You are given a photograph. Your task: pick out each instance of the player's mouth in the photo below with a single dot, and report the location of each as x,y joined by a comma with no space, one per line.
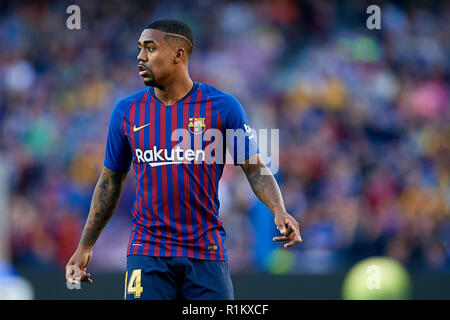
143,70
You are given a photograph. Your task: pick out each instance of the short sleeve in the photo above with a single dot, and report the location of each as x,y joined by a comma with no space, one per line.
118,153
241,141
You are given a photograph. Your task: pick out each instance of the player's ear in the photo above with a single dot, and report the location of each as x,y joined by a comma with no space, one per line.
179,55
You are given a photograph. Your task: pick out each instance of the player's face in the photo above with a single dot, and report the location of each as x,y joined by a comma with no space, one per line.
155,57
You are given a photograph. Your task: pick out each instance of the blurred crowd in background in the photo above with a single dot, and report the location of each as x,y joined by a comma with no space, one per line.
364,119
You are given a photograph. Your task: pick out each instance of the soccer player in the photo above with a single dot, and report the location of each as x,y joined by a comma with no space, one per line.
176,248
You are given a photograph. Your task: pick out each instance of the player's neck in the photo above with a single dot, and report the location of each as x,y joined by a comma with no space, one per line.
174,91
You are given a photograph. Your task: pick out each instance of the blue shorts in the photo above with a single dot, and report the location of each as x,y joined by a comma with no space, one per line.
177,278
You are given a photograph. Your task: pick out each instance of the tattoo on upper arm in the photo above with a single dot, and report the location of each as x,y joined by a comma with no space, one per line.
104,201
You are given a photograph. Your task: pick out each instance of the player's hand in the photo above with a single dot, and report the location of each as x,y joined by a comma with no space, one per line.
76,267
289,228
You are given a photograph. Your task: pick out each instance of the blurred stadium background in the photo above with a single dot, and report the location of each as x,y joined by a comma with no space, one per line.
364,119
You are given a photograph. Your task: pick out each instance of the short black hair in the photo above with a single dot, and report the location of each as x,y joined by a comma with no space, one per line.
175,27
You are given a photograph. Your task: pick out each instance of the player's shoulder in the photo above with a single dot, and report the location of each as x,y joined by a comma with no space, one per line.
123,106
128,101
218,96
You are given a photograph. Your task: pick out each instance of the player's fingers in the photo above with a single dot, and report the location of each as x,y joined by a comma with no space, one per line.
73,280
86,278
70,273
282,238
296,229
281,228
70,279
290,243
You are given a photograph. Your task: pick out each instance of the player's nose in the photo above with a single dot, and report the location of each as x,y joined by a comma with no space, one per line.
141,56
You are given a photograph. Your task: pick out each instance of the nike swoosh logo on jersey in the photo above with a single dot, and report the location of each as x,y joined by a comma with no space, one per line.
139,128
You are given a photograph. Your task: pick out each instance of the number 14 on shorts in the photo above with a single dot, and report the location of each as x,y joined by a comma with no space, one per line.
133,286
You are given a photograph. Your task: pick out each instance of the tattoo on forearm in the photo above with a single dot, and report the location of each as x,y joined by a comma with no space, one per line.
265,186
104,201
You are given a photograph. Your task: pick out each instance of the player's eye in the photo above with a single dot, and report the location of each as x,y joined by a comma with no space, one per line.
151,49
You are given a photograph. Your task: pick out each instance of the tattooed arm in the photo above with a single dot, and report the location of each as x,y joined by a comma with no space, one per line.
266,188
104,201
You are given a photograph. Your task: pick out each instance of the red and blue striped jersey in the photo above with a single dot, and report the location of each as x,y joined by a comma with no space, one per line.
176,210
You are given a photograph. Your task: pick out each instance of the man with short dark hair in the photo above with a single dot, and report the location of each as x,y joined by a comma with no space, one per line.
172,133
